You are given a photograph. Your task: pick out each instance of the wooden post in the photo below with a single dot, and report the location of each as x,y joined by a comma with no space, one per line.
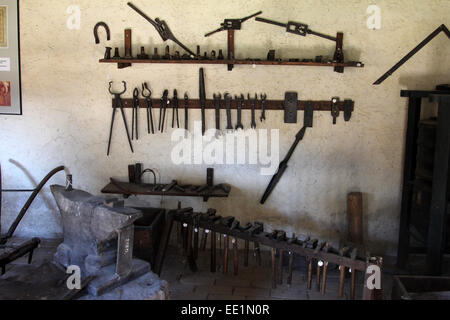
355,218
213,253
274,269
230,48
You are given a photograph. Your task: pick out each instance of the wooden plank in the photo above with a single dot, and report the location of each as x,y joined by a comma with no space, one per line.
438,212
277,105
350,64
414,111
135,189
355,218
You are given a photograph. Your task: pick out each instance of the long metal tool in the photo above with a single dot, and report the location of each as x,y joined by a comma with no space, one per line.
27,205
232,24
217,101
228,99
135,120
440,29
186,112
203,99
309,113
162,28
148,99
163,110
175,113
300,29
240,105
118,103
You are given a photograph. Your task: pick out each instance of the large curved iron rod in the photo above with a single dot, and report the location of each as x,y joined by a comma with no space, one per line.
27,205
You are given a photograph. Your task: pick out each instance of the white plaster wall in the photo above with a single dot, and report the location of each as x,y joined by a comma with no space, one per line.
67,107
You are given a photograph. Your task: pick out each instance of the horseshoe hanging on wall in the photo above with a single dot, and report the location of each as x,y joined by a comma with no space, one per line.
108,33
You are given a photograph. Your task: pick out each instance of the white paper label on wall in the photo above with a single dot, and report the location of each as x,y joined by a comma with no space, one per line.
5,64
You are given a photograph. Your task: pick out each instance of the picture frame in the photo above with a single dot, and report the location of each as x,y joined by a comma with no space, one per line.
10,63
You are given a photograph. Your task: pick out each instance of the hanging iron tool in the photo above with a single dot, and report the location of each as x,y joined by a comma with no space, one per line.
240,105
263,107
135,120
162,110
148,100
217,101
253,103
308,123
175,110
300,29
163,29
228,106
118,103
232,24
203,99
186,112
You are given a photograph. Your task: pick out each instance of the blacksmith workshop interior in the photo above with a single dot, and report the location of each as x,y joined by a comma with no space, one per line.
224,150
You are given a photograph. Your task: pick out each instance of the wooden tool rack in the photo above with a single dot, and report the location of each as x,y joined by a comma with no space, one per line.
440,201
128,61
212,224
130,189
346,106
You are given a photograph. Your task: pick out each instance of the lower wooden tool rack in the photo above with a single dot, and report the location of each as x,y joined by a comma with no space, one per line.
310,249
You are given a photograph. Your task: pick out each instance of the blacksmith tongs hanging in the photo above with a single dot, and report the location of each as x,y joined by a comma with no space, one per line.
118,103
162,28
148,100
135,120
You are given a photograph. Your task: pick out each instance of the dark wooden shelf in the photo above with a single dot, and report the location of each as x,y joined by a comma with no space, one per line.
129,189
128,62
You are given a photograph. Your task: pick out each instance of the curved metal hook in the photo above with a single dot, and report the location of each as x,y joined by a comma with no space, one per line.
108,32
114,93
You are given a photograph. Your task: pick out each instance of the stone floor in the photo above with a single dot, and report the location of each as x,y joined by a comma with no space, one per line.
252,283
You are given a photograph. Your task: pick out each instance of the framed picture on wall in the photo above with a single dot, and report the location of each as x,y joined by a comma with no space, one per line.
10,77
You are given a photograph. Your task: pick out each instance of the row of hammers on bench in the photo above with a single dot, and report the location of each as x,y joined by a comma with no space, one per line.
320,254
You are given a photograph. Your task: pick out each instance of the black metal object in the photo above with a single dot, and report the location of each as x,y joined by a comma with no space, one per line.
240,103
162,28
203,99
263,107
290,107
232,24
147,94
135,116
253,104
435,33
308,123
228,99
35,192
437,211
217,101
186,112
175,112
108,32
118,104
297,28
163,110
